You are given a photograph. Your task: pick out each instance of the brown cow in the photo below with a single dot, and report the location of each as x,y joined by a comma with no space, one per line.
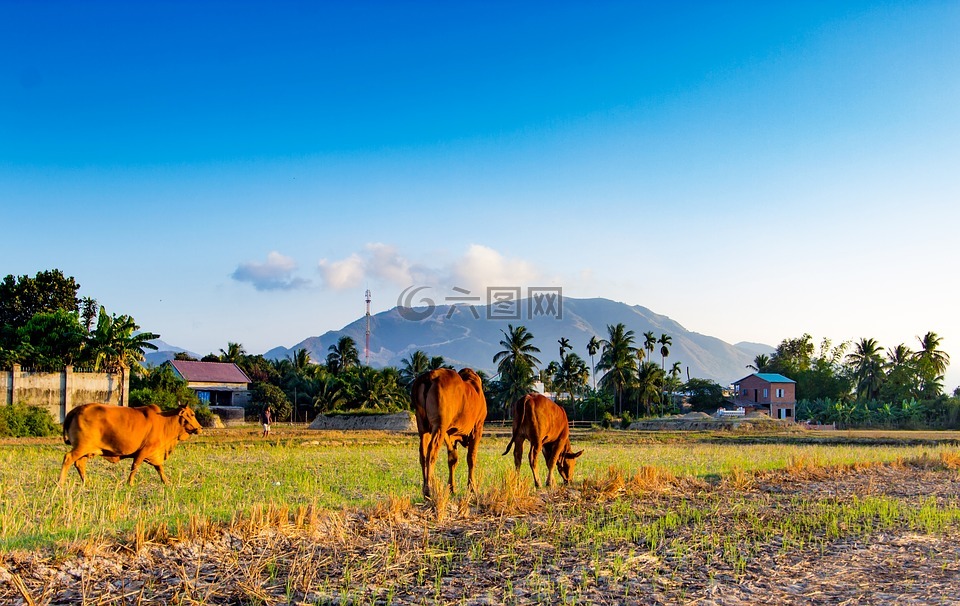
538,419
143,433
450,407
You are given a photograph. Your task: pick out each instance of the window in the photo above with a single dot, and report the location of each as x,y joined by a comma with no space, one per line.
779,393
766,392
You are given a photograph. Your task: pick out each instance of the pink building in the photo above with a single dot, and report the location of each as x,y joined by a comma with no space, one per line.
771,392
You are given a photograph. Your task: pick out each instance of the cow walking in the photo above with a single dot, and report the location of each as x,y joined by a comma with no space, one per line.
450,408
144,433
541,421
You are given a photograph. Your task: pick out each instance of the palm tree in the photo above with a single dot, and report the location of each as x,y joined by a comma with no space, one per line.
116,345
413,366
234,353
675,370
571,375
516,362
867,366
328,394
617,358
649,386
593,346
564,345
343,355
760,363
665,341
932,364
649,343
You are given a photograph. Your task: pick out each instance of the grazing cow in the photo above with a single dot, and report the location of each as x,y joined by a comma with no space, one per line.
538,419
450,407
143,433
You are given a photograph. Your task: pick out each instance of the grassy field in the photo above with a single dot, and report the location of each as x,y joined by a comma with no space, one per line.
225,474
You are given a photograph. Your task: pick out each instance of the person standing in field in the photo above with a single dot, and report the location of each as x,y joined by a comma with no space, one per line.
265,419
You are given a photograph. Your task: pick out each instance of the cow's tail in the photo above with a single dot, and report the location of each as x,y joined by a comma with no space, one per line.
67,421
518,408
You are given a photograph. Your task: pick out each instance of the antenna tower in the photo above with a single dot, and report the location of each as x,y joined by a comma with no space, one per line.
366,347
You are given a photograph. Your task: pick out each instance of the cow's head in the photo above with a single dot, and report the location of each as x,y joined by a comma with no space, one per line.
188,420
566,463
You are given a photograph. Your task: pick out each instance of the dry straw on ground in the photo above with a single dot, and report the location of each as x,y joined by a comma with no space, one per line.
861,534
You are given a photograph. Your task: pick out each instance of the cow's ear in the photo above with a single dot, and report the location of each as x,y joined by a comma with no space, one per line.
573,455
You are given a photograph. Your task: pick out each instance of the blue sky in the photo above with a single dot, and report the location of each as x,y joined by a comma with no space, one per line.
243,171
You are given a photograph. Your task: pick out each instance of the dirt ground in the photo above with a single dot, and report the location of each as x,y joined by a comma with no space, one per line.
522,548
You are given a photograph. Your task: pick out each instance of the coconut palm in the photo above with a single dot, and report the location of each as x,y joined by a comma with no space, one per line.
649,343
328,394
343,355
564,345
665,341
760,363
593,346
413,366
516,362
618,360
648,388
234,353
867,364
676,370
571,375
932,362
116,345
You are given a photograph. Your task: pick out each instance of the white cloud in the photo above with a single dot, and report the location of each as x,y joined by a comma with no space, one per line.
343,274
276,273
482,266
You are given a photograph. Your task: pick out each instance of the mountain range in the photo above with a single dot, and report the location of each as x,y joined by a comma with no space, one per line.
470,335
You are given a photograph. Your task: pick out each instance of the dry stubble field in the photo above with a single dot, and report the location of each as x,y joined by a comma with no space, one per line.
335,518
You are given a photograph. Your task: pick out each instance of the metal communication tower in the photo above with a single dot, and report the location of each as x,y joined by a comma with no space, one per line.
366,347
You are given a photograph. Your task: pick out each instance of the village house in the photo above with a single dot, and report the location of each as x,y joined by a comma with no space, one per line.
216,383
770,392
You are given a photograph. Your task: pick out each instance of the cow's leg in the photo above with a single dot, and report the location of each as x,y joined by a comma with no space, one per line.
518,452
137,460
159,468
433,450
68,459
534,454
81,465
452,459
473,448
424,449
550,454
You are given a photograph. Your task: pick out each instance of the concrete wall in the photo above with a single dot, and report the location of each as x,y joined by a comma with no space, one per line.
61,391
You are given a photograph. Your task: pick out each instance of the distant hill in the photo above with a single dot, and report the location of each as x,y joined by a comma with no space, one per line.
464,340
164,353
755,349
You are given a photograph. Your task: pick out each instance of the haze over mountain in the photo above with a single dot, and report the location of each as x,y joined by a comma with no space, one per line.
465,338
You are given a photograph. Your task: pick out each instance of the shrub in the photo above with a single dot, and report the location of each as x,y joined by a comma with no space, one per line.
23,420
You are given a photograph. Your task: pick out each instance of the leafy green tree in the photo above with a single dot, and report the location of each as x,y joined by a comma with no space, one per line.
618,360
89,309
51,340
703,395
164,388
866,361
516,363
23,297
265,394
793,356
343,355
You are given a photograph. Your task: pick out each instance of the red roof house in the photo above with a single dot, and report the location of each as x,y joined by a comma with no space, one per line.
216,383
